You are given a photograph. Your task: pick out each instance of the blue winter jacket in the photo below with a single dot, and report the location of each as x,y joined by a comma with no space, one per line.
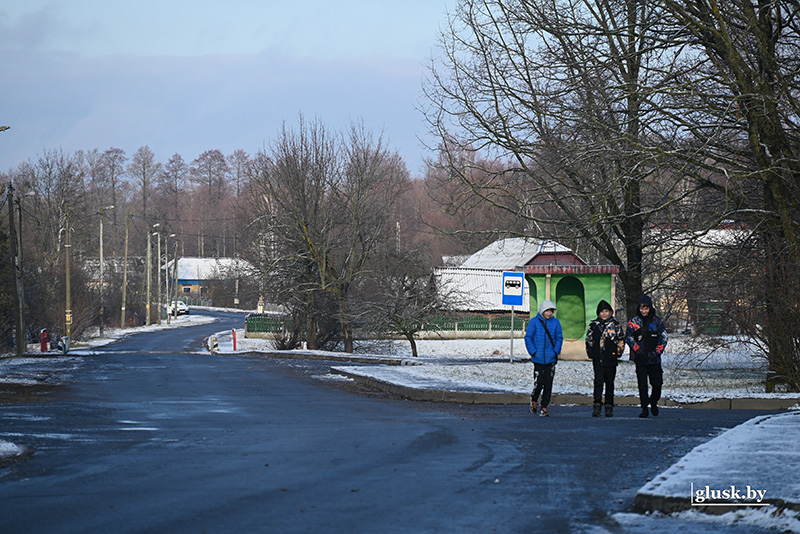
538,344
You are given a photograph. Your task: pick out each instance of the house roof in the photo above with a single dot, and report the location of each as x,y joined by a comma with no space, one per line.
190,268
508,254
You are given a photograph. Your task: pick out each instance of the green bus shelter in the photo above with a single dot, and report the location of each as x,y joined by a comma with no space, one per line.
576,290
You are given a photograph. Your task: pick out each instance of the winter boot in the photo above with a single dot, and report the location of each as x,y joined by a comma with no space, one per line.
544,412
534,406
654,409
644,413
609,411
596,409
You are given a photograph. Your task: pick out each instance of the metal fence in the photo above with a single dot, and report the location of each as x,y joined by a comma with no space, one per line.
261,323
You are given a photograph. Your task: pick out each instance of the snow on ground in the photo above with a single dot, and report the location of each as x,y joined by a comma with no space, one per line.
10,450
693,372
775,438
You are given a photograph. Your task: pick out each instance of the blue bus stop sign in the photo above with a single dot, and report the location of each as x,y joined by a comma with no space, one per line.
513,287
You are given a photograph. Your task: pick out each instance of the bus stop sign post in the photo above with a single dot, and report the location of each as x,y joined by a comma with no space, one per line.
513,288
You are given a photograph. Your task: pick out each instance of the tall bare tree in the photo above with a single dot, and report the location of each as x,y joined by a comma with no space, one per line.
326,200
208,172
143,169
172,193
112,174
736,102
560,92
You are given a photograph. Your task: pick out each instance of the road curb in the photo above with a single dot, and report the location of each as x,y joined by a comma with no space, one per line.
338,357
647,503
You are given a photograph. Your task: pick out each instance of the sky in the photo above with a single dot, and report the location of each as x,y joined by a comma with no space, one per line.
186,76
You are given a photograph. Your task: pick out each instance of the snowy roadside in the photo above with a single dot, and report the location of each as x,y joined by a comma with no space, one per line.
748,475
691,374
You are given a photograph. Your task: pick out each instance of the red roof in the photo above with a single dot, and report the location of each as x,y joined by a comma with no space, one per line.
570,269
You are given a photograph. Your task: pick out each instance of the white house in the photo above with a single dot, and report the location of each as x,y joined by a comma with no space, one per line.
195,273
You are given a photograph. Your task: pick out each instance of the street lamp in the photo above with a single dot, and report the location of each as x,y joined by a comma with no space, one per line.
102,266
147,270
166,273
19,332
68,309
158,284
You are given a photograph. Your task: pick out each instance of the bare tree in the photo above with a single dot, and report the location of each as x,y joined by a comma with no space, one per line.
208,171
736,101
560,93
239,164
171,192
143,169
399,297
111,174
326,203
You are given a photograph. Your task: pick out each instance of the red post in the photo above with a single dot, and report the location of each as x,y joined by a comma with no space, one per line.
43,340
234,340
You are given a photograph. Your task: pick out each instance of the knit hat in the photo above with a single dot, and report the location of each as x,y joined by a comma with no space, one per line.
604,305
648,301
546,305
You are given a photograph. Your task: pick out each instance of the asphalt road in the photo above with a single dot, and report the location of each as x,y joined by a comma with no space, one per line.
152,434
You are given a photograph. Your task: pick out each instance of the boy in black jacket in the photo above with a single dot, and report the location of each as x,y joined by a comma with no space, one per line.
605,342
647,337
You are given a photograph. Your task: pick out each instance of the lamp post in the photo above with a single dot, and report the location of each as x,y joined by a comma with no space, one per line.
147,270
68,309
166,273
125,272
158,277
20,271
102,266
175,281
21,342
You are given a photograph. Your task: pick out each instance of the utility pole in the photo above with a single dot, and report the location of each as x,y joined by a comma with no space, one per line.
158,277
21,272
19,331
102,266
125,270
166,271
68,311
175,282
147,274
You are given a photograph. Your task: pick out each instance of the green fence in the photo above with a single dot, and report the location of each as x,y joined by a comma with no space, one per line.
475,323
263,323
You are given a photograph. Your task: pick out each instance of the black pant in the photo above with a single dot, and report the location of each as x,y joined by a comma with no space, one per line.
653,372
543,380
604,375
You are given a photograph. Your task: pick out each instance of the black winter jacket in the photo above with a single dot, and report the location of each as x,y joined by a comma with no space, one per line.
605,341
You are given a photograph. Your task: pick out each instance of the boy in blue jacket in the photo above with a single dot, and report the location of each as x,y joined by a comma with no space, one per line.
543,339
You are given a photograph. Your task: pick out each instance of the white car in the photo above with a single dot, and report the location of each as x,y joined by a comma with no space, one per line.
181,308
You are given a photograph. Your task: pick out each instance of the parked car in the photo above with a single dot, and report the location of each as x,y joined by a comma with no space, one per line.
181,308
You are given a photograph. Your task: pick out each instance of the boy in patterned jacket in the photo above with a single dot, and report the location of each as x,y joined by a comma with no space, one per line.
647,338
605,342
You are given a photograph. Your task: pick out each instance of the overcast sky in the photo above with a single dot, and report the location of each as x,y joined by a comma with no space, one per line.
187,76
